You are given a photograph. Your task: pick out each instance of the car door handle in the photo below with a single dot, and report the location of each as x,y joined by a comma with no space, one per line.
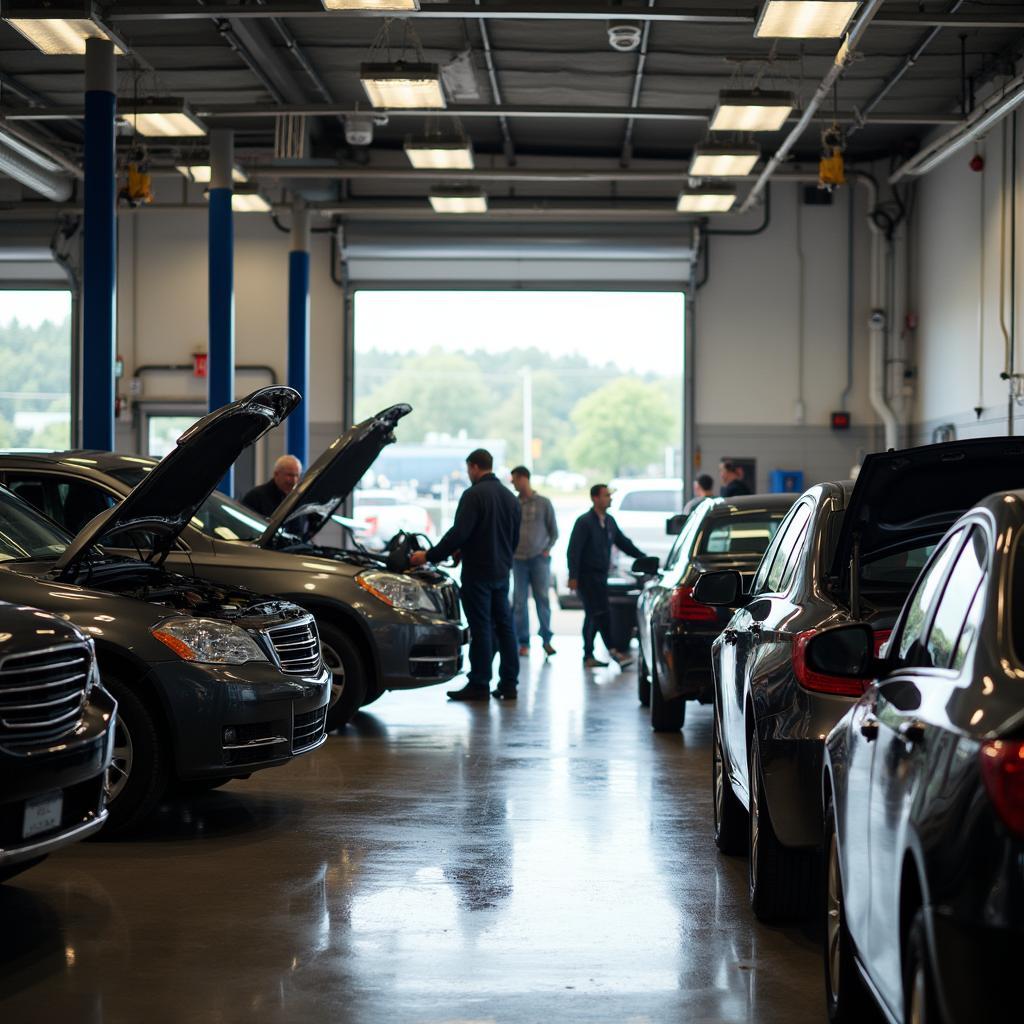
869,727
912,730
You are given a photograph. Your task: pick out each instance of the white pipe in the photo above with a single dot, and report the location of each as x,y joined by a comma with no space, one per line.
50,184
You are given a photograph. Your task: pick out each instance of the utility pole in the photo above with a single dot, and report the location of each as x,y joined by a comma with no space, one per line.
527,417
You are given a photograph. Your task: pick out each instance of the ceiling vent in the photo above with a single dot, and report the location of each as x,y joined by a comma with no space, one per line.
624,36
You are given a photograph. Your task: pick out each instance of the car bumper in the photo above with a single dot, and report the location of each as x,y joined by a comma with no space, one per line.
419,653
75,768
235,719
687,660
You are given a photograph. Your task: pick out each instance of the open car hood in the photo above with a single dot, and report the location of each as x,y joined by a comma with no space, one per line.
166,499
903,498
331,479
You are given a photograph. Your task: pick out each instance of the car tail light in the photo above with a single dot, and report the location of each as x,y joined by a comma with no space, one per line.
820,682
683,608
1002,769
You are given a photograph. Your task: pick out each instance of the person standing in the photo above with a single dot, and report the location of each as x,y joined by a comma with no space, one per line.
265,498
531,568
731,477
486,534
590,554
703,487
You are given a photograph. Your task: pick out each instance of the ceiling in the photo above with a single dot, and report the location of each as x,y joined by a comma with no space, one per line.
536,91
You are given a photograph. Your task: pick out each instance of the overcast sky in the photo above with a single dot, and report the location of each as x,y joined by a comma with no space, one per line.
34,307
639,331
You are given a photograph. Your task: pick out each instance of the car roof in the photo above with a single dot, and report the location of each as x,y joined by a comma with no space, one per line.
751,503
104,462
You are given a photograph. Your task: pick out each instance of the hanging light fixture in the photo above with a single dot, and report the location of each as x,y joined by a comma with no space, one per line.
371,5
60,30
402,86
165,118
751,110
718,160
706,199
202,174
804,19
439,154
458,200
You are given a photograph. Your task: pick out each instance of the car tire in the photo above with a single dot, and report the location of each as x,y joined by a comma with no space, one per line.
730,815
342,657
643,684
780,878
666,715
921,1003
140,771
847,1000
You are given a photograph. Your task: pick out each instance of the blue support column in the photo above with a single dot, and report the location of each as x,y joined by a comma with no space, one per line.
221,254
298,332
99,279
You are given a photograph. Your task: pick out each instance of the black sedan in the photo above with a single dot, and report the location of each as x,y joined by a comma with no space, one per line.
923,789
676,632
56,737
212,682
845,553
380,629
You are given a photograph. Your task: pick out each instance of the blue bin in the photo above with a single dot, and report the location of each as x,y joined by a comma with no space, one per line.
786,481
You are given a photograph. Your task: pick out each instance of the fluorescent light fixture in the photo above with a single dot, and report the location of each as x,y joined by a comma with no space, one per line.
56,35
439,155
718,199
458,201
402,86
713,160
371,5
202,174
249,202
751,111
804,19
168,119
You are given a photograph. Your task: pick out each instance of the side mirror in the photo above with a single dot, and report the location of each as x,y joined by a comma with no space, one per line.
847,652
721,589
674,525
646,566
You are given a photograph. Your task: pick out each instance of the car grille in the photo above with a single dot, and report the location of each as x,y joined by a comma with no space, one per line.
42,695
447,595
309,728
297,647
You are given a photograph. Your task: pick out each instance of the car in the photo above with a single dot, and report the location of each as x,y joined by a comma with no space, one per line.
381,514
923,789
56,737
379,629
846,552
675,631
212,682
641,508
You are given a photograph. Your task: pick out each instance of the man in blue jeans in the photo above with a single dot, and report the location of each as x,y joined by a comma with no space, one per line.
485,533
531,569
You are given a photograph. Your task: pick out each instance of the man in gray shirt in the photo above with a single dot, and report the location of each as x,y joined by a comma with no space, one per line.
531,567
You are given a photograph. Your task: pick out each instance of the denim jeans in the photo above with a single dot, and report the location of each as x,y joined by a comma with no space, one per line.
489,615
593,591
532,574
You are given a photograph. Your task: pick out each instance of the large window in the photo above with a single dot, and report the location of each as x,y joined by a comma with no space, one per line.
35,369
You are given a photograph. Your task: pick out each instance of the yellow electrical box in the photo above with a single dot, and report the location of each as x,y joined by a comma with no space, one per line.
832,169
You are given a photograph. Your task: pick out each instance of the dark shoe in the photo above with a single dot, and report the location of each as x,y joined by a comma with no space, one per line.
548,649
621,659
592,662
469,693
504,694
524,650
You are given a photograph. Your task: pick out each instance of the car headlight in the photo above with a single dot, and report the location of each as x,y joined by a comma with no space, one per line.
208,641
397,591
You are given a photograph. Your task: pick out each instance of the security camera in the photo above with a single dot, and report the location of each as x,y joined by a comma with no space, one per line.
359,130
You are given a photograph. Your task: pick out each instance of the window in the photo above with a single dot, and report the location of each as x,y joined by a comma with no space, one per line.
791,538
740,535
924,594
24,534
900,570
969,631
651,501
951,613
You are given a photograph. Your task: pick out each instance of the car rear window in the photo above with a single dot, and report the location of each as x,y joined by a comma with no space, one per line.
651,501
741,534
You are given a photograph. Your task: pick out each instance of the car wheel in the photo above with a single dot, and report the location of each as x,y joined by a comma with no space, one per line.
666,715
780,878
846,996
139,771
643,683
730,816
348,677
921,1004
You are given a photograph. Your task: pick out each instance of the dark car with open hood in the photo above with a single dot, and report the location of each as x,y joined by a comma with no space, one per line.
381,628
212,681
846,552
923,789
56,737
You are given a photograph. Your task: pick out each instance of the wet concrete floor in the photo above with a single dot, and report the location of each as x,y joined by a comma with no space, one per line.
438,864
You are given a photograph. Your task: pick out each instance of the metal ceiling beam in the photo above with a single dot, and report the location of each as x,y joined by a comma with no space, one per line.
492,74
638,84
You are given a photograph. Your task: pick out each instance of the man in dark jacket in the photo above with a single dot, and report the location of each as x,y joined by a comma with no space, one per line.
485,532
265,498
731,475
590,554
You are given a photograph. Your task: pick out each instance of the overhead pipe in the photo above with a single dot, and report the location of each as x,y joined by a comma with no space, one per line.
842,60
50,184
492,75
638,82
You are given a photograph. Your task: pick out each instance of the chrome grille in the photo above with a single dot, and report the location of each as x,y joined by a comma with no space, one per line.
42,695
447,595
297,646
309,728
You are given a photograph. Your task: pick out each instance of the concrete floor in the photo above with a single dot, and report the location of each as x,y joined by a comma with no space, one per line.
439,864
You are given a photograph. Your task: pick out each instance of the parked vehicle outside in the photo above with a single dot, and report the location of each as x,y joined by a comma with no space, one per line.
381,514
380,630
56,737
846,552
212,682
676,631
923,788
642,506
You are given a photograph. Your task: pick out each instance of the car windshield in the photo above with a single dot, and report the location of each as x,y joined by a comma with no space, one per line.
219,516
741,534
24,533
901,569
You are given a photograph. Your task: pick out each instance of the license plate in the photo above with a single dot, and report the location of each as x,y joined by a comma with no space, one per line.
42,813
